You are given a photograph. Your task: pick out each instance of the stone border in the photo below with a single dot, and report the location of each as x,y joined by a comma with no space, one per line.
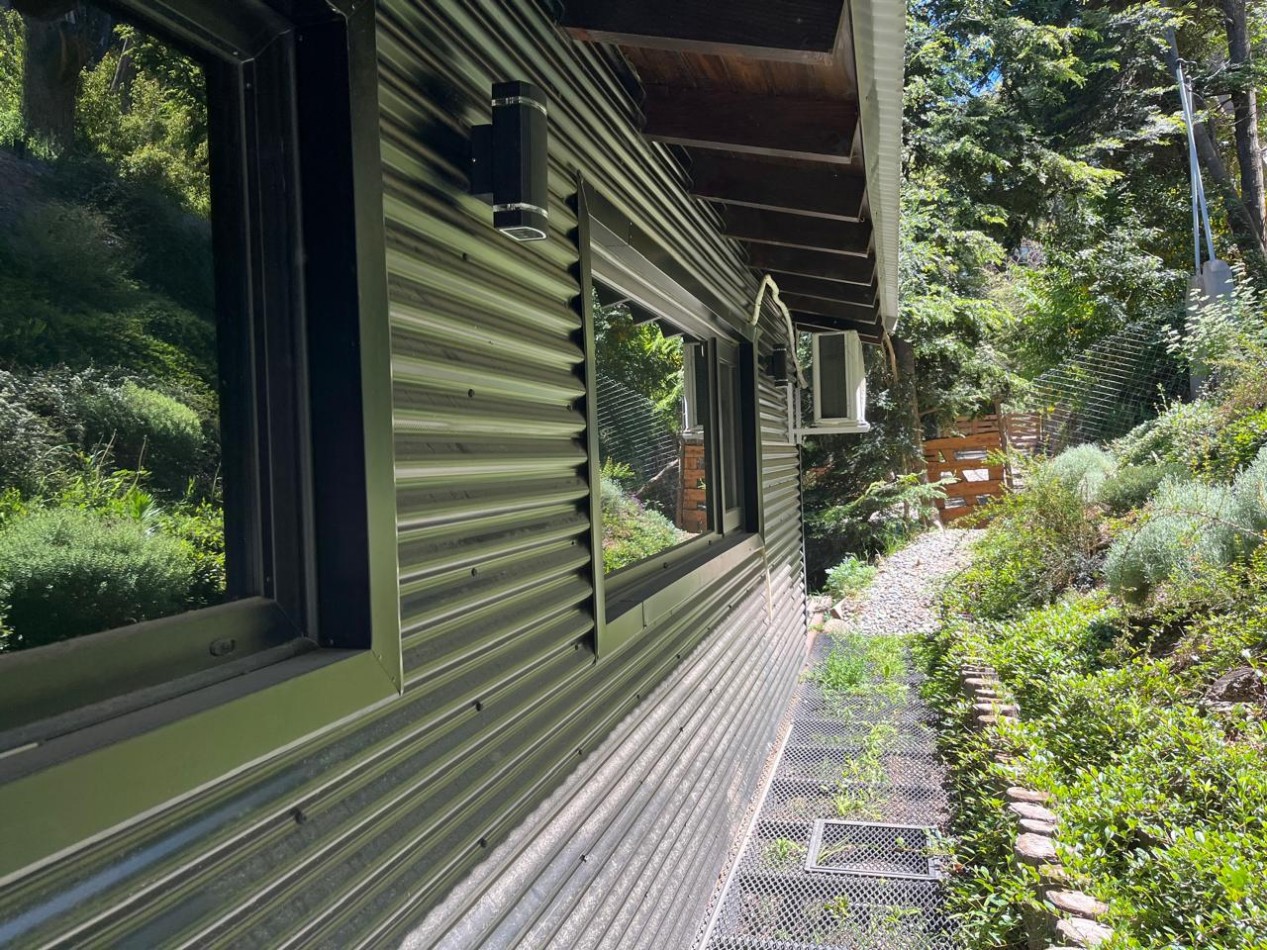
1069,919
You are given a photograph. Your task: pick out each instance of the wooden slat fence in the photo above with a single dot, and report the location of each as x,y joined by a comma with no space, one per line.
966,457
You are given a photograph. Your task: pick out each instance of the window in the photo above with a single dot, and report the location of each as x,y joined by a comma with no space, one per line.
733,436
111,470
166,351
652,435
672,426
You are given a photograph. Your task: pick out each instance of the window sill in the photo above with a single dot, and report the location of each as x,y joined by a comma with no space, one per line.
635,607
71,788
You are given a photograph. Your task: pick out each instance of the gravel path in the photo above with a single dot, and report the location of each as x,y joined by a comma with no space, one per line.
900,599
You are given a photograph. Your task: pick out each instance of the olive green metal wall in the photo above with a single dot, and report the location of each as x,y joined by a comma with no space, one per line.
352,837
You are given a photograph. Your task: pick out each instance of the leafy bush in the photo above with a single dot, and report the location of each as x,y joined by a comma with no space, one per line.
850,576
1130,486
1189,526
1169,437
1083,469
1251,495
146,428
1160,804
1039,542
71,251
632,532
29,445
12,41
879,521
1232,445
66,572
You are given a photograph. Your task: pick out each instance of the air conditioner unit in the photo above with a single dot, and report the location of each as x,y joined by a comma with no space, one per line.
840,383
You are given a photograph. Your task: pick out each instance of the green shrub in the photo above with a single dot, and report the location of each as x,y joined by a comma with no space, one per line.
850,576
632,532
1168,824
1188,526
145,428
1169,437
30,447
12,41
201,530
1251,494
1130,486
1232,445
1039,542
65,572
72,252
1082,469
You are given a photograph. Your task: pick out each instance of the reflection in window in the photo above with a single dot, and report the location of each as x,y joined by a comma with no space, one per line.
652,421
110,494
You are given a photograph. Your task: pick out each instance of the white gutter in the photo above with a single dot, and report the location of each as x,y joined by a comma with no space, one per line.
879,38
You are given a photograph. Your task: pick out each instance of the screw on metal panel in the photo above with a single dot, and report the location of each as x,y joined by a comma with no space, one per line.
223,646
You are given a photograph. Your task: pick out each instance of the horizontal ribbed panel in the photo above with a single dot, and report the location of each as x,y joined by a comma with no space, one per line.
354,837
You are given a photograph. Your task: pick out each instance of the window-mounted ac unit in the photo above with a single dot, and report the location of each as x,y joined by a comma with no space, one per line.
839,383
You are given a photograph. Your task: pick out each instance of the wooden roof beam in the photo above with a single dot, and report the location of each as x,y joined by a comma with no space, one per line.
862,312
796,230
820,289
777,126
804,31
872,333
822,190
792,260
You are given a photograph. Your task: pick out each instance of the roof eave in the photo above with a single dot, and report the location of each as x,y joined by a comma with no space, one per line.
879,34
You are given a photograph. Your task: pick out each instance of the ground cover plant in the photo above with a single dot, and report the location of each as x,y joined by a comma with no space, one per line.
851,576
1130,626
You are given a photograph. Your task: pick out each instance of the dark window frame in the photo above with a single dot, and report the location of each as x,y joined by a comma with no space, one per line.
304,350
628,600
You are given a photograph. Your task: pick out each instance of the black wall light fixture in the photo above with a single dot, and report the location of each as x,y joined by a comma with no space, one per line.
778,365
509,161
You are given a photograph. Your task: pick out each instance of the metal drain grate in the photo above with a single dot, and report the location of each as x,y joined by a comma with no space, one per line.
907,852
846,848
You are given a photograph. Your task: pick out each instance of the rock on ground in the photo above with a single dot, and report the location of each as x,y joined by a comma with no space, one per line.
901,597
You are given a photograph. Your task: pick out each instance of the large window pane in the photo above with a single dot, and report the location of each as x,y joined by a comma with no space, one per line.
110,486
653,421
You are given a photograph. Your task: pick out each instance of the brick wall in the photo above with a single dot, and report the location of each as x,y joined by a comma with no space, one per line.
692,508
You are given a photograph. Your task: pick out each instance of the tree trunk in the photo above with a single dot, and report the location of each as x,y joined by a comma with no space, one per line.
1245,107
904,356
1247,236
56,53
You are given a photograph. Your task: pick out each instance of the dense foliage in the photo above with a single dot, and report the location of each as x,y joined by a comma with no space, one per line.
1045,207
1130,626
110,496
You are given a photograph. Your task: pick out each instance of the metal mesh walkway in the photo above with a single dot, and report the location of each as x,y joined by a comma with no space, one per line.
848,848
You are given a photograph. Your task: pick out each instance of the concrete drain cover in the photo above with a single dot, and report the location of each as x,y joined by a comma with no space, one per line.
907,852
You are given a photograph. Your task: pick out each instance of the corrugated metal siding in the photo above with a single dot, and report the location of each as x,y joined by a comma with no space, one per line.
353,838
630,850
